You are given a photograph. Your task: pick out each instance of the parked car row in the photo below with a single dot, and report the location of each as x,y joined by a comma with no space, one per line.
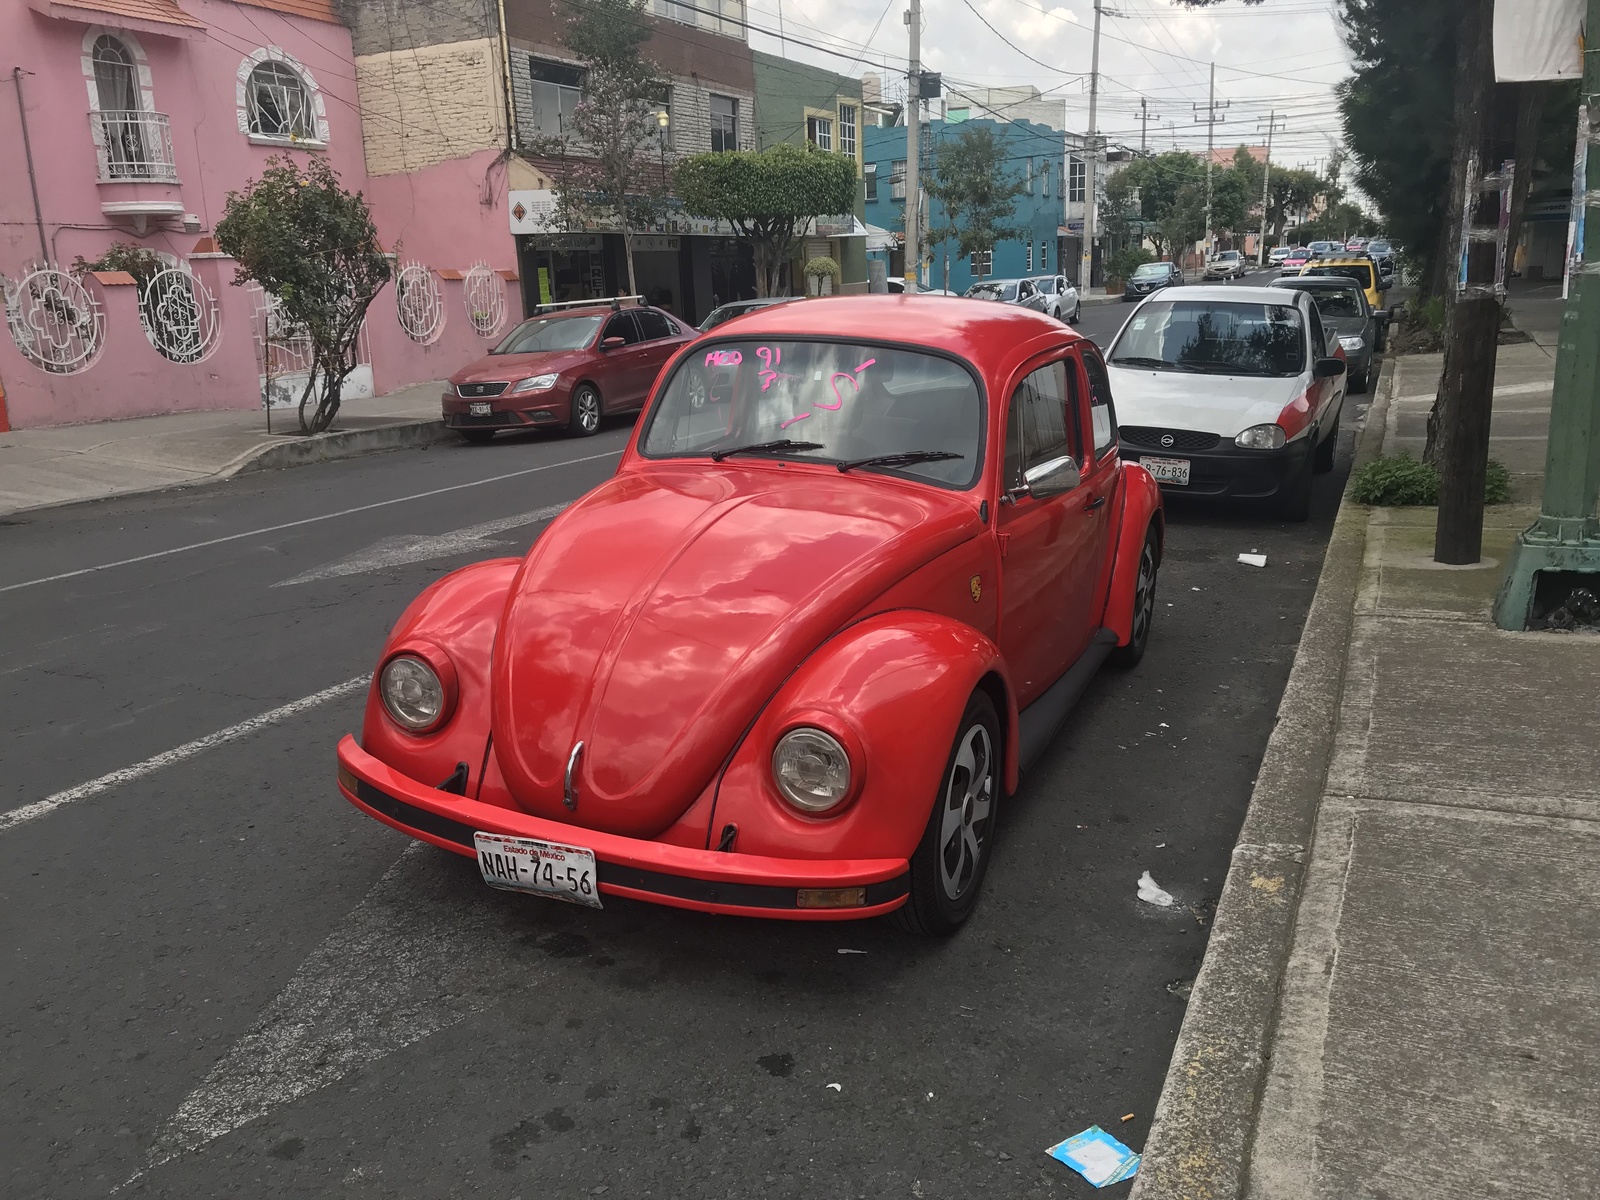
1048,294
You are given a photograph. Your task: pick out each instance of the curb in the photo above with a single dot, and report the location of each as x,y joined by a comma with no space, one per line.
1204,1125
327,447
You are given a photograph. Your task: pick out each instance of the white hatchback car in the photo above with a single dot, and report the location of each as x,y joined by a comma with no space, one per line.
1229,392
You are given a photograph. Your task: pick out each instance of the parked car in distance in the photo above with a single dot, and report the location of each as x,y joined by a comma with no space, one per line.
1277,255
1346,314
1225,264
790,659
1062,300
1356,245
1151,277
1363,270
1325,249
737,308
1230,392
1382,254
1020,292
1294,260
568,367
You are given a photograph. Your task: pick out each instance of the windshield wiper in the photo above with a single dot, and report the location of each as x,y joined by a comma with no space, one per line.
764,447
895,460
1159,364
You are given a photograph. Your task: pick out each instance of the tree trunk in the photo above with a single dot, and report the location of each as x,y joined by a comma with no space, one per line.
1469,377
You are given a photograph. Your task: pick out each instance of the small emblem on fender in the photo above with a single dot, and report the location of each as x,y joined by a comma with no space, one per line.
977,588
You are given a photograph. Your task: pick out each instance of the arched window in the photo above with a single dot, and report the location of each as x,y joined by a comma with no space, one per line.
116,79
278,103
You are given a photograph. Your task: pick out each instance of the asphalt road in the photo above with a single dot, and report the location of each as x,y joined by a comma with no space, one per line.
220,979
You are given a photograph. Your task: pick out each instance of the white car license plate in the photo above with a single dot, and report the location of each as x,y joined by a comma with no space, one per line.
480,410
1167,470
518,864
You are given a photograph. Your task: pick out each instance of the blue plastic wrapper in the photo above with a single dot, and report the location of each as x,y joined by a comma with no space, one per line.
1097,1156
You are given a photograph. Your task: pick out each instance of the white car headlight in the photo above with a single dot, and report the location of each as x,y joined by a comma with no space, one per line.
811,769
1353,344
1261,437
539,383
412,693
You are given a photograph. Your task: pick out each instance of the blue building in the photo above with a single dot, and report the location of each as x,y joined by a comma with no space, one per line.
1037,154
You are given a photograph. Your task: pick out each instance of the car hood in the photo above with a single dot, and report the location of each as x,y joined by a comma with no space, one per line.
1346,326
1220,404
657,615
492,368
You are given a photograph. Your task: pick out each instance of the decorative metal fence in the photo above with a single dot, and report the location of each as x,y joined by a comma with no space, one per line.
483,292
179,315
54,319
134,145
419,303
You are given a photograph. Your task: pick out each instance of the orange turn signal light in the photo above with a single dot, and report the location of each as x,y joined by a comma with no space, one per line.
852,897
346,780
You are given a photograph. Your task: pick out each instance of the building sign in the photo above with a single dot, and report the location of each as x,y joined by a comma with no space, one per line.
844,225
655,241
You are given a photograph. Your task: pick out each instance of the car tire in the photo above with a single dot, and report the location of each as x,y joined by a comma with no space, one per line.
478,437
1077,313
1295,502
950,861
1144,602
1362,382
587,410
1328,447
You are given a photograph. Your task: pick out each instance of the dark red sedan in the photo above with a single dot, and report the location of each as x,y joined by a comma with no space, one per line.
564,368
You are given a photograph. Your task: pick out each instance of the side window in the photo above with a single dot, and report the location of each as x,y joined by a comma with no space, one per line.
1043,421
1102,413
1319,340
653,324
621,326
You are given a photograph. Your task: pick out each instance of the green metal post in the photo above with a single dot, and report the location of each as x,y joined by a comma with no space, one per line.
1566,535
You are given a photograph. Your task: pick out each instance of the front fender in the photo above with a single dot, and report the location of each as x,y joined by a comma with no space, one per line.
1141,506
892,688
458,615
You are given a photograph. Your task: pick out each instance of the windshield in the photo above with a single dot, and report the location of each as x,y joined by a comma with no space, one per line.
1337,302
1360,272
543,334
1228,256
1211,338
857,399
993,291
726,313
1047,286
1150,271
1378,247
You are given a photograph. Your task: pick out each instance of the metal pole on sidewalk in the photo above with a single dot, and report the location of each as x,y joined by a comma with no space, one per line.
1266,179
913,147
1566,535
1090,171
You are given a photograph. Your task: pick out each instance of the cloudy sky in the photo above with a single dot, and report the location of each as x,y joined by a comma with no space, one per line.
1283,55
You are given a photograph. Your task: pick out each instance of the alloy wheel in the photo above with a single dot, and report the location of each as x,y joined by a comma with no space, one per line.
1144,595
966,805
588,410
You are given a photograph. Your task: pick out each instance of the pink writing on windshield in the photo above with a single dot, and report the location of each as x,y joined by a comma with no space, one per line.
792,420
723,358
865,365
767,378
770,356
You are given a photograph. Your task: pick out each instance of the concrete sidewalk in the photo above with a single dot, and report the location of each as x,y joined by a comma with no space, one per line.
68,463
1399,998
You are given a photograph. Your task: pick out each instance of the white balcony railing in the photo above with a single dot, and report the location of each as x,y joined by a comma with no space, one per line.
134,145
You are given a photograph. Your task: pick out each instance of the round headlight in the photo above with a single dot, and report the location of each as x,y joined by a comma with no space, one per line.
811,769
412,693
1261,437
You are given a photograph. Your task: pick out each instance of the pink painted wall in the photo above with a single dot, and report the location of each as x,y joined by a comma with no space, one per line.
436,215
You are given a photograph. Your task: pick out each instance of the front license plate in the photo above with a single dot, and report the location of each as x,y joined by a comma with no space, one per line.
480,410
1167,470
518,864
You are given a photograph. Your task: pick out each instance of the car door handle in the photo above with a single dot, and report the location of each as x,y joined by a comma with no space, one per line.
1093,504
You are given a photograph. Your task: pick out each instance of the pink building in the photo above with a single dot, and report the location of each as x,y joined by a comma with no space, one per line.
130,121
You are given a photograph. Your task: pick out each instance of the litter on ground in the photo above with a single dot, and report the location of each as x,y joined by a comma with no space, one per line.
838,1087
1253,560
842,950
1097,1156
1151,893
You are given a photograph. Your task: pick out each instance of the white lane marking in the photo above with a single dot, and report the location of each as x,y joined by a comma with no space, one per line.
346,512
40,808
402,966
405,548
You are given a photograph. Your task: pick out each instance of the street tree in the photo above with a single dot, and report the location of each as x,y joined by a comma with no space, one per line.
977,191
770,197
1158,181
311,245
609,170
1290,192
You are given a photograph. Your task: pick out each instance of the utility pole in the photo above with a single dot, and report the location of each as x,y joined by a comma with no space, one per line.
1266,176
1090,173
1144,125
913,19
1211,120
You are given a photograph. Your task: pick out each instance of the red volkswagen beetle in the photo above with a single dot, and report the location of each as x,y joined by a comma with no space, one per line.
858,561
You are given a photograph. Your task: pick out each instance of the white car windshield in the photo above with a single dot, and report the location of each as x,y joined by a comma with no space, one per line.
1211,338
543,334
993,291
853,400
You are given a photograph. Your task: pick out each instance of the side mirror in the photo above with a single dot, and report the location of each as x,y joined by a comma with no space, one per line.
1052,478
1328,368
1382,316
612,343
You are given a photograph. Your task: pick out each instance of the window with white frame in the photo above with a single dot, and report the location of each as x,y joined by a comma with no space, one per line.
279,103
897,179
724,122
982,263
1044,175
1029,177
1076,173
819,132
557,89
847,129
1044,255
1029,267
869,172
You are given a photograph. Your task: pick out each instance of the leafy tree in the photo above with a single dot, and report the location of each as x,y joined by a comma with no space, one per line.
312,246
1158,181
609,169
769,197
1185,221
977,191
1290,191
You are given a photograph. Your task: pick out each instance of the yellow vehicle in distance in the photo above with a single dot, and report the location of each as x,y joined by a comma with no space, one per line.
1358,267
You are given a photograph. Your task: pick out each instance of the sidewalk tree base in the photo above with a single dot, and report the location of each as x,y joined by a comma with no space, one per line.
1539,550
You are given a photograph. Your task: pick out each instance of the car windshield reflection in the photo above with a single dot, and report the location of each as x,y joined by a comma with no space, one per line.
855,400
1212,338
541,335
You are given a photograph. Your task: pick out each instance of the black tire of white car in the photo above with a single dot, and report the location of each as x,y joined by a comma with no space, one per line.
929,909
1328,447
1294,502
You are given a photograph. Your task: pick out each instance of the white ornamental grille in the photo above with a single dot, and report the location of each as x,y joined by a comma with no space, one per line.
484,294
278,103
179,315
54,321
419,302
285,354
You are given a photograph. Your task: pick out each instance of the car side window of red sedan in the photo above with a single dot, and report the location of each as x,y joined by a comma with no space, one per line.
653,324
1043,422
621,326
1102,413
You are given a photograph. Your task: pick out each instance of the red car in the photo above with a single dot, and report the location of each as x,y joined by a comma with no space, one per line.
564,368
857,563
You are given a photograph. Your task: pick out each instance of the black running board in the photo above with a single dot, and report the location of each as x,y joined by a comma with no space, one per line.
1038,723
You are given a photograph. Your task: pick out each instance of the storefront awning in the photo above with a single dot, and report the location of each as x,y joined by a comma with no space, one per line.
879,238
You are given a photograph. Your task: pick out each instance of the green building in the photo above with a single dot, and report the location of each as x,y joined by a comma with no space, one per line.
796,102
